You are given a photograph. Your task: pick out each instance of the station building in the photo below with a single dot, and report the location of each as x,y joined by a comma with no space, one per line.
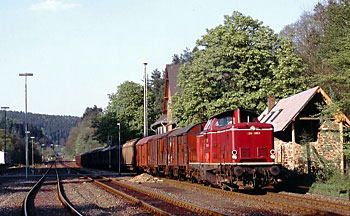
165,122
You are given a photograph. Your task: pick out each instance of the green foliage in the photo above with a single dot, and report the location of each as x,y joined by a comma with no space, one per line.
306,35
322,40
126,107
81,137
335,52
50,128
186,56
332,186
237,64
15,141
156,91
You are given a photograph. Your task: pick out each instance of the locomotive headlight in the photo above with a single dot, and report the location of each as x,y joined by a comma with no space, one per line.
234,154
272,154
252,128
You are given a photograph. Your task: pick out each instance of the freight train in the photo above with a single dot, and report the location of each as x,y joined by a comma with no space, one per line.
231,150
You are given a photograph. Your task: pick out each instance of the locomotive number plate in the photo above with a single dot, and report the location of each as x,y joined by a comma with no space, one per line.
253,133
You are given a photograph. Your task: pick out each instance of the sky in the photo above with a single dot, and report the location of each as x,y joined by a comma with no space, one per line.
80,50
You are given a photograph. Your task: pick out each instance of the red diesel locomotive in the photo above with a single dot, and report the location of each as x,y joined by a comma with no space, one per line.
231,150
234,149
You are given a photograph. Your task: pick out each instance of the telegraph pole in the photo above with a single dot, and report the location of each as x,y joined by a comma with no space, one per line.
25,118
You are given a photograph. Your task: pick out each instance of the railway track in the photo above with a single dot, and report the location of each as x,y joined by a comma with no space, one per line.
153,202
28,206
289,202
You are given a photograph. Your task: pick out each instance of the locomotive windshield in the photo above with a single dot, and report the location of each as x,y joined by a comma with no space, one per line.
224,121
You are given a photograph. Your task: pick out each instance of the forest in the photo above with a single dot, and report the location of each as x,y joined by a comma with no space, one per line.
47,130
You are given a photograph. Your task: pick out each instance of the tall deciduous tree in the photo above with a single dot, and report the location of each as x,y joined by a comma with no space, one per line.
335,53
81,137
126,107
237,64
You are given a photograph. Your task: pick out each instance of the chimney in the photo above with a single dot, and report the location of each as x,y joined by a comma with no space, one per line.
270,103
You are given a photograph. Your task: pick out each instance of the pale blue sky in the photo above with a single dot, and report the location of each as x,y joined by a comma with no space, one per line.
81,50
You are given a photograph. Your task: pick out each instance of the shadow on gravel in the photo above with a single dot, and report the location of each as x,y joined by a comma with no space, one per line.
10,211
295,182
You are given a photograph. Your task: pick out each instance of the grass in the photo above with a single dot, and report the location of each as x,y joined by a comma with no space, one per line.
332,186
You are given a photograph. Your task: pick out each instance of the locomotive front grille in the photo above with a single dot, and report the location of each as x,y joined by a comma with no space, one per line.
245,152
262,152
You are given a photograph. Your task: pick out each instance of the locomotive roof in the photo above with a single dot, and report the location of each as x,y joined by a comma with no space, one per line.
231,111
182,130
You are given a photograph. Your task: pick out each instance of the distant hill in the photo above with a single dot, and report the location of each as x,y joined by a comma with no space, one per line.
55,128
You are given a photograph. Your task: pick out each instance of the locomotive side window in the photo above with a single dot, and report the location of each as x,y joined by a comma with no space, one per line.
224,121
248,117
207,125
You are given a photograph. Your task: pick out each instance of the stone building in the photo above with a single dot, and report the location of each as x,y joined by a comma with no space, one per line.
164,123
302,141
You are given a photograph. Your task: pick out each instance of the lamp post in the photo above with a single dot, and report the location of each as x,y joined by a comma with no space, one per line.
109,138
42,153
119,151
145,126
32,151
25,118
4,108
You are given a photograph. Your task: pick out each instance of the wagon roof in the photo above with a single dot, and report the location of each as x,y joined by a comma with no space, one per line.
143,140
112,147
182,130
94,150
131,142
159,135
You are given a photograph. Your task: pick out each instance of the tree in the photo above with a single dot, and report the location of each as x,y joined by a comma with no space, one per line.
81,137
186,56
237,64
156,89
306,35
335,53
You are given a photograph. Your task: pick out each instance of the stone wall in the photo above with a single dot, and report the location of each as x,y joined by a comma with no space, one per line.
328,149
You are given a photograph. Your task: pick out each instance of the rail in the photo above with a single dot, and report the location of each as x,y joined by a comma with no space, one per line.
63,199
313,207
25,205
